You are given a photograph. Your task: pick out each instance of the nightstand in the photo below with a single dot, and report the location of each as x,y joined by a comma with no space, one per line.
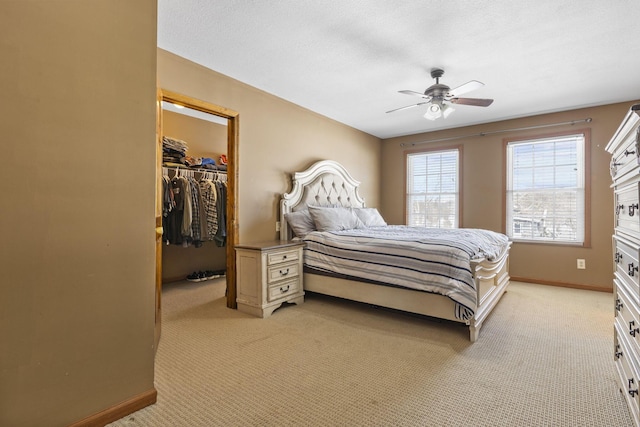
269,274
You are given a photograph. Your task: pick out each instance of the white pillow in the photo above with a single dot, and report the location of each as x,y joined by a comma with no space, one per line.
334,219
370,217
300,222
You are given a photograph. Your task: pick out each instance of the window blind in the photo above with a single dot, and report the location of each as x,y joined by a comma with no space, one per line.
432,189
545,194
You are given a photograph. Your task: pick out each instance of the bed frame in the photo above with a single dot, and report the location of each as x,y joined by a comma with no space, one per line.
327,183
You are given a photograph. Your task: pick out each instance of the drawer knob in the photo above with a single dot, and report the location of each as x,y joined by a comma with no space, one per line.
631,269
633,331
632,392
618,257
284,257
619,209
285,289
619,304
618,352
633,209
613,168
628,153
284,273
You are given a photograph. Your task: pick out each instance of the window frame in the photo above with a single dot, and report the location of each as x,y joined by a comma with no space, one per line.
408,153
586,133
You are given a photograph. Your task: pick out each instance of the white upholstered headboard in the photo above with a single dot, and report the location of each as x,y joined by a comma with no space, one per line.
325,183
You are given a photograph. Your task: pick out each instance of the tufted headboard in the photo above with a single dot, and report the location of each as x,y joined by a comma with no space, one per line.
325,183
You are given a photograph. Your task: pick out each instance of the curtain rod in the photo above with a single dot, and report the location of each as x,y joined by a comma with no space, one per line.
572,122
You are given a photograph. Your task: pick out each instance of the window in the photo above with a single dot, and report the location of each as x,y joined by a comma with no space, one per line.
432,189
545,189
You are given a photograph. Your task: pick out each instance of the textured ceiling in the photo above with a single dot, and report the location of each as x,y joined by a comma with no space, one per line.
348,59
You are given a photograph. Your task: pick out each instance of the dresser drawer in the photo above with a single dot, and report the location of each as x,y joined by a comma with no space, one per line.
627,373
626,256
283,289
627,213
625,158
283,256
626,312
282,272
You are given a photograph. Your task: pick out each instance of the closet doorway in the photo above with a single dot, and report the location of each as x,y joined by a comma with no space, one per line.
169,101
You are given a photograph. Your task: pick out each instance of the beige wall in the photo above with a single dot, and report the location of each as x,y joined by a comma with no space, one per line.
276,139
204,139
482,187
77,207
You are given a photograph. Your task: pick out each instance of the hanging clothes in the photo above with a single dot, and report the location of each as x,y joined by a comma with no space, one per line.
221,233
168,206
194,211
197,212
187,216
172,223
209,199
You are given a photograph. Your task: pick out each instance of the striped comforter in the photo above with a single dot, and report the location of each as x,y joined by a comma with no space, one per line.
427,259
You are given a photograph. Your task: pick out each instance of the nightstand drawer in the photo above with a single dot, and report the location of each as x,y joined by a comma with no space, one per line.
282,290
282,272
284,256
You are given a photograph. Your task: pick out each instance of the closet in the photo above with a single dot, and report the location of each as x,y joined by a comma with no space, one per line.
194,172
174,263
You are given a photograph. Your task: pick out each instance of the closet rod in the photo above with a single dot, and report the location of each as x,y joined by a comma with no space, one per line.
572,122
185,168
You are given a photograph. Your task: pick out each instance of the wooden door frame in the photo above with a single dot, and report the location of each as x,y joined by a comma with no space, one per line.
233,126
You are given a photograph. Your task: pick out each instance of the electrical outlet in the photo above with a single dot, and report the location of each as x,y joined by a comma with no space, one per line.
277,225
581,264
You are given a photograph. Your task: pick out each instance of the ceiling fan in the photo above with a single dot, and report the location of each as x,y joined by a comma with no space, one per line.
439,95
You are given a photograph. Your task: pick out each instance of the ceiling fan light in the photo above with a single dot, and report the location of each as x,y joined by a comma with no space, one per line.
447,110
433,112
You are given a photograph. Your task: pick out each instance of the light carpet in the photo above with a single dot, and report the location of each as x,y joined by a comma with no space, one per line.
544,358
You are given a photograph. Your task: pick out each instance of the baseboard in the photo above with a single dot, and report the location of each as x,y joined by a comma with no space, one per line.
562,284
119,411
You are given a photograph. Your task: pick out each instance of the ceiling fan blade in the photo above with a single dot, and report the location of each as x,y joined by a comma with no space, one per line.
413,93
408,106
467,87
477,102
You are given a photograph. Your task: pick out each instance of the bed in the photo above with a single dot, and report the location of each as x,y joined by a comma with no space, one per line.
367,261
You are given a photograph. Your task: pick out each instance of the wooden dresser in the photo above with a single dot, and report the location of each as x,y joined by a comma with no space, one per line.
625,171
269,274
